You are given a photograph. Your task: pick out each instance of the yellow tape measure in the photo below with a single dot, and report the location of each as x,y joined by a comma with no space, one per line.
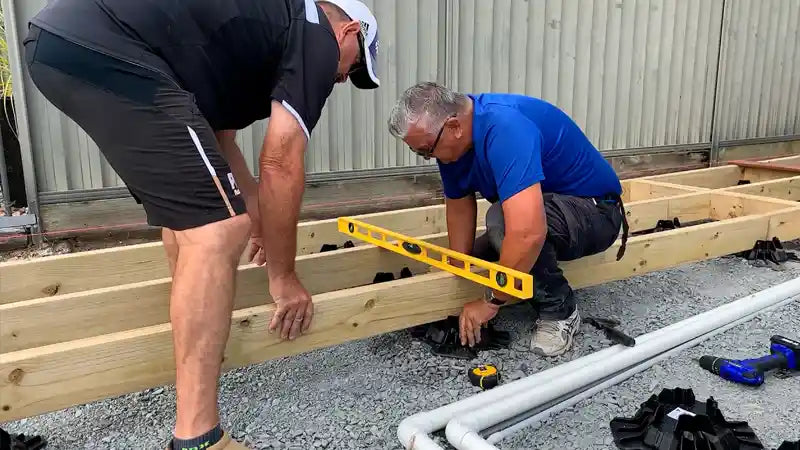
484,376
499,278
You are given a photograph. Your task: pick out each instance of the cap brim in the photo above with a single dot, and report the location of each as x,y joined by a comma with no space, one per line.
366,76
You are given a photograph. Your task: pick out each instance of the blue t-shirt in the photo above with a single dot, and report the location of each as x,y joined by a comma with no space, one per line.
519,141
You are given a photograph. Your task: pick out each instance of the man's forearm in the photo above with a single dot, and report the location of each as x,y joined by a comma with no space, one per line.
233,155
461,223
280,190
520,252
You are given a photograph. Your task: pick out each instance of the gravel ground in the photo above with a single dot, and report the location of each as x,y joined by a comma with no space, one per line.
771,409
354,395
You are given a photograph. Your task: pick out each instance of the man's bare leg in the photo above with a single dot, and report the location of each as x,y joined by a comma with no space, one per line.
171,247
200,311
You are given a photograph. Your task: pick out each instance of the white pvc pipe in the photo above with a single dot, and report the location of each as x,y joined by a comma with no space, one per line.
413,432
462,431
502,434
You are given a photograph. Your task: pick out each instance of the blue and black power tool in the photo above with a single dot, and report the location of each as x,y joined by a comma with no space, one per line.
784,354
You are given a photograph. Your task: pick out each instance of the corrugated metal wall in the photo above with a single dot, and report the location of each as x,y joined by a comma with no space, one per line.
351,134
760,70
633,73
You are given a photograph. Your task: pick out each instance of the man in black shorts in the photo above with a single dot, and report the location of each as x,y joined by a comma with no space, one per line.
162,87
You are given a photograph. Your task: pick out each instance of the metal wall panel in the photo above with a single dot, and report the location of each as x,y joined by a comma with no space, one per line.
632,73
351,134
760,82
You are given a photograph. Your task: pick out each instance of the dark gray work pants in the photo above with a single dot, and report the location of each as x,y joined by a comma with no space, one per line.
576,227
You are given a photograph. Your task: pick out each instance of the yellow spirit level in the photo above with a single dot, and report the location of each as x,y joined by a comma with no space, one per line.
499,278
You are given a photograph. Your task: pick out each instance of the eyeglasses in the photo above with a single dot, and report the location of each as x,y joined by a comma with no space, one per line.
359,64
427,154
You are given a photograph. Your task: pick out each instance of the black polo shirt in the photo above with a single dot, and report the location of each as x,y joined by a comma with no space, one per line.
235,56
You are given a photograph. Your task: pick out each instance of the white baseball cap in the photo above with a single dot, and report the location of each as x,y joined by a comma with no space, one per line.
366,77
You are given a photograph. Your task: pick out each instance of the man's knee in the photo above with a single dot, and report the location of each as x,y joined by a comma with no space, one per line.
225,238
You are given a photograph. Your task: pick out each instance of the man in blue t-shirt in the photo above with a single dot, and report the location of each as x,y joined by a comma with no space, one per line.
554,197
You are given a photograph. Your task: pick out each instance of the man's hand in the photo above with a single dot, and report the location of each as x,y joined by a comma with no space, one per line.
280,193
294,307
233,155
256,253
473,317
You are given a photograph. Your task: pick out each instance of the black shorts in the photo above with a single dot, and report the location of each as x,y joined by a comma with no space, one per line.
149,129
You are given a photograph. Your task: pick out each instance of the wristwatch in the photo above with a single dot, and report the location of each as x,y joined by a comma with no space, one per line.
489,297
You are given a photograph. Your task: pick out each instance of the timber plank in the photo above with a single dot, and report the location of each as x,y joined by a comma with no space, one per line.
118,308
784,189
671,248
712,178
42,379
62,274
639,190
48,378
758,174
135,305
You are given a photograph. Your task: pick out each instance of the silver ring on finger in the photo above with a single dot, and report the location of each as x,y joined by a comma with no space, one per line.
298,319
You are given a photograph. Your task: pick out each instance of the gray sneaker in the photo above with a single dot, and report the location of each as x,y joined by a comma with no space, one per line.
554,337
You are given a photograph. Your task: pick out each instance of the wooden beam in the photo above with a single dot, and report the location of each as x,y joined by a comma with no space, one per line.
785,189
48,378
727,205
142,304
639,190
671,248
645,215
759,174
766,165
43,379
793,160
133,305
712,178
63,274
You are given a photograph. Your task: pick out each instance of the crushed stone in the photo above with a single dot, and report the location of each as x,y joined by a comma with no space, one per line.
354,395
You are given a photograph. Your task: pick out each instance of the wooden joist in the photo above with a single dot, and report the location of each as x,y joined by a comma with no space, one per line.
106,331
64,274
785,189
78,272
140,304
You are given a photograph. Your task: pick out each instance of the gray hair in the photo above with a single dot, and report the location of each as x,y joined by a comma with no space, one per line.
428,104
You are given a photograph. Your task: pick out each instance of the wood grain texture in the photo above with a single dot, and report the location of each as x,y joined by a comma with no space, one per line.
639,190
145,303
62,274
712,178
784,189
48,378
119,308
42,379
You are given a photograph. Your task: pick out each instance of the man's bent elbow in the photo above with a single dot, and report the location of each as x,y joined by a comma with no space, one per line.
527,238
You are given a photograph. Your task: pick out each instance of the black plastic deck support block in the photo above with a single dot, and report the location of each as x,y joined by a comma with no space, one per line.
675,419
382,277
21,441
444,338
787,445
332,247
771,250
